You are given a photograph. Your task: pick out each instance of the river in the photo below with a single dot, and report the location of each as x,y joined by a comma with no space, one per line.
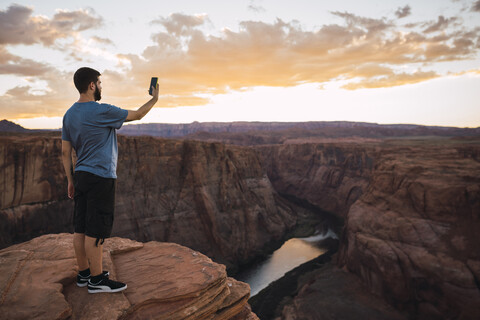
291,254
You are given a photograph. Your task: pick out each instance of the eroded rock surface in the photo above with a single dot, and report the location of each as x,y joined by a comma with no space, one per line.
165,281
330,176
413,236
214,198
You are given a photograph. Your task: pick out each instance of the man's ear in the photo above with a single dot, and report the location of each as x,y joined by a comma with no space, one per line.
92,86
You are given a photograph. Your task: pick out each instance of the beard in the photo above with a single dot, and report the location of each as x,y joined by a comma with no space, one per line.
97,95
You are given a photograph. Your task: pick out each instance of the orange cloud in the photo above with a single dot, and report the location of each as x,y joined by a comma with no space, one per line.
191,65
392,80
20,27
283,54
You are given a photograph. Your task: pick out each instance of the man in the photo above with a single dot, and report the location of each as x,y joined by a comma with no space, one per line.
90,129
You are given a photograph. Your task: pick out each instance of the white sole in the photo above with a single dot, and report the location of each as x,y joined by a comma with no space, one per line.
107,289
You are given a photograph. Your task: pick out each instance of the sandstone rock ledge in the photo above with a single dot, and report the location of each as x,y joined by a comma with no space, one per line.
165,281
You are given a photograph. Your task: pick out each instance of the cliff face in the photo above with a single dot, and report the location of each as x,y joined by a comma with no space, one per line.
213,198
165,281
413,237
411,208
32,189
217,130
330,176
411,211
208,196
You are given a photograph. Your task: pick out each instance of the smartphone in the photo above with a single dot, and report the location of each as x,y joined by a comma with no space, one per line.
153,83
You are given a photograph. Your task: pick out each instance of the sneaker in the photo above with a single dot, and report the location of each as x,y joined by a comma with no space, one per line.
105,285
83,281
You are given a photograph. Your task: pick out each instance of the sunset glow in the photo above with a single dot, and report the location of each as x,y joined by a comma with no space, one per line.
394,62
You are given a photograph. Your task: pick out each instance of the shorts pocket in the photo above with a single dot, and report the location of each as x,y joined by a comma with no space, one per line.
107,218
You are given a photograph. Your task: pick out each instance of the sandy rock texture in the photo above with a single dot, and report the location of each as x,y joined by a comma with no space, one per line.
32,188
165,281
413,237
214,198
329,176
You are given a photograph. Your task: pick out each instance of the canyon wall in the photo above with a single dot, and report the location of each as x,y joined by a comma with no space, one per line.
237,129
329,176
32,189
208,196
411,208
413,237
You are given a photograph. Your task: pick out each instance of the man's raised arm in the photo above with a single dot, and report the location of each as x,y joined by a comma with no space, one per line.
143,110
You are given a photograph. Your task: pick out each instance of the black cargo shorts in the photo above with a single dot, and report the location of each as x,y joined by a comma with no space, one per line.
94,205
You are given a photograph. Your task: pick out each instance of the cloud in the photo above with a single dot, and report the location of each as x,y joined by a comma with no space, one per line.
15,65
181,24
403,12
255,7
101,40
24,102
392,80
441,24
193,65
373,26
20,27
190,63
476,6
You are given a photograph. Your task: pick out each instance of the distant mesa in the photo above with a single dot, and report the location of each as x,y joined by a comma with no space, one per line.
232,132
8,126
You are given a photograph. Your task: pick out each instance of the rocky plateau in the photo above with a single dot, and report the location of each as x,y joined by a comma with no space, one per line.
407,208
165,281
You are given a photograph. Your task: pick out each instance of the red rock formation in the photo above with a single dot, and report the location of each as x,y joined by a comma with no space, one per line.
330,176
411,208
208,196
214,198
413,236
165,281
32,188
331,293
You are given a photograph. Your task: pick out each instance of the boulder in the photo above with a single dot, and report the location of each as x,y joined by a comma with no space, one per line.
165,281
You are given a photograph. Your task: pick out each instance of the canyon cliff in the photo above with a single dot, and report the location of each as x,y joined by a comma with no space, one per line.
214,198
165,281
411,211
413,237
410,207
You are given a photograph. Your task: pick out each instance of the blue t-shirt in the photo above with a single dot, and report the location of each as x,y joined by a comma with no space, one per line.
90,128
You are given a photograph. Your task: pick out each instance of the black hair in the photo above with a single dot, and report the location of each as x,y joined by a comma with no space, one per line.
83,77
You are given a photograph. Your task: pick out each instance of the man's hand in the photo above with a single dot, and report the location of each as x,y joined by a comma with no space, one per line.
71,190
155,91
143,110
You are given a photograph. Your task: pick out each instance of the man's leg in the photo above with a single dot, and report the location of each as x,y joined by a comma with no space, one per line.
94,255
79,245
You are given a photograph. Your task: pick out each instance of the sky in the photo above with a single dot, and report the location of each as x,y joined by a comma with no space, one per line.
373,61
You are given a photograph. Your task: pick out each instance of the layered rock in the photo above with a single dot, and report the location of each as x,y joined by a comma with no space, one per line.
413,236
331,293
213,198
236,132
32,189
411,207
329,176
165,281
